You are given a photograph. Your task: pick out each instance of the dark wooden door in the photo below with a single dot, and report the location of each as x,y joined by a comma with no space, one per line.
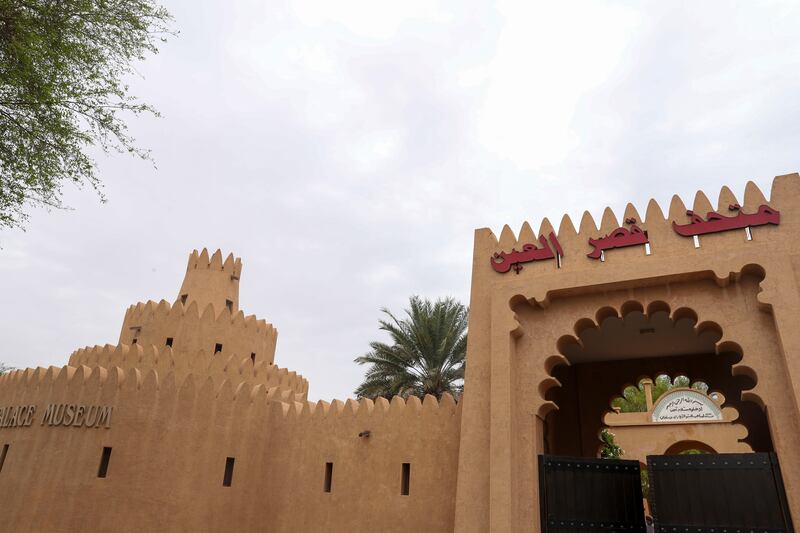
580,494
718,493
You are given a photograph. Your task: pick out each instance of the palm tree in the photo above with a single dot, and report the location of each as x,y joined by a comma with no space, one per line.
427,354
633,400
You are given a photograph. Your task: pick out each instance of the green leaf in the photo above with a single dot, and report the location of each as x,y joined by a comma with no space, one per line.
61,66
427,354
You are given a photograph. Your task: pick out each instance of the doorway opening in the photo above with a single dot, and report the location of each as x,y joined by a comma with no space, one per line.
616,352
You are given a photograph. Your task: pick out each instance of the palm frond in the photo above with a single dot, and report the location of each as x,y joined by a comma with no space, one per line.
427,354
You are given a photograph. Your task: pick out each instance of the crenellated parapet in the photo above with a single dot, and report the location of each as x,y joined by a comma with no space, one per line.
366,409
104,383
192,329
219,367
88,377
209,280
201,260
175,431
657,227
202,334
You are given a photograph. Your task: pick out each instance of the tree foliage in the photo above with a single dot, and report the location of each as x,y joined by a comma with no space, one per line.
645,479
426,355
62,91
633,399
610,449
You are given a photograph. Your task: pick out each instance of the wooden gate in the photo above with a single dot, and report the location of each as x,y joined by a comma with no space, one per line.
579,494
718,493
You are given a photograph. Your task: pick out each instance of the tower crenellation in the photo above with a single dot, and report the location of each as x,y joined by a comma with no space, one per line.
209,280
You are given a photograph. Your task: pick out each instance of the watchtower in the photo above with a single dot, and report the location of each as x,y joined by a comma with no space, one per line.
210,281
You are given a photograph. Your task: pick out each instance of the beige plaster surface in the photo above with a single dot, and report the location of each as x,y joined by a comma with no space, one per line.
521,325
170,440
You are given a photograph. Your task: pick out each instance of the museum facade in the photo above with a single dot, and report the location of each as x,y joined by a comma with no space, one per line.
187,424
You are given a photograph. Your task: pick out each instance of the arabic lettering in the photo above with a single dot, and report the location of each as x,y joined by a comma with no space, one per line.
502,262
686,405
619,238
715,222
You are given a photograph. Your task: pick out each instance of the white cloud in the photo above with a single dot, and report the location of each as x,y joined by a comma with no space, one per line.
548,55
347,150
365,18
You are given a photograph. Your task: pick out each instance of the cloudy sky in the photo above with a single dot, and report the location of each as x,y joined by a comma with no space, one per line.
346,150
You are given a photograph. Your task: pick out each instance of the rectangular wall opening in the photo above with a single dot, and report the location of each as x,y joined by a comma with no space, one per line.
134,341
405,480
3,456
253,357
104,459
228,478
183,298
229,305
328,476
217,348
169,341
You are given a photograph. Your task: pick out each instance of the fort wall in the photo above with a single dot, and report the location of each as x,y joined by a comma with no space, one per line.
170,440
367,470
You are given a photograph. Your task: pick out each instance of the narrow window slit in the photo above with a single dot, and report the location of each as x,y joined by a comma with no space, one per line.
253,357
405,482
169,341
217,348
104,459
328,476
3,456
228,478
229,305
184,298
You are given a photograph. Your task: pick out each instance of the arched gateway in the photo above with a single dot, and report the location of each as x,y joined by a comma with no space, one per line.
187,424
554,334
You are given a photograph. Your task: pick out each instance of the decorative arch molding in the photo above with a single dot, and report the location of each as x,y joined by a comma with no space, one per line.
709,329
682,446
765,294
701,320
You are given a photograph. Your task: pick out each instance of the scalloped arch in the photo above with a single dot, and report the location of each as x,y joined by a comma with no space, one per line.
711,330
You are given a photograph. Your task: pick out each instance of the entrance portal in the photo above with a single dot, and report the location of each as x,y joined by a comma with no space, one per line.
636,348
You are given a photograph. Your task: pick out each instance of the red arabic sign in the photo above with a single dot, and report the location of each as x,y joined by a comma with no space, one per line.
714,222
619,238
503,262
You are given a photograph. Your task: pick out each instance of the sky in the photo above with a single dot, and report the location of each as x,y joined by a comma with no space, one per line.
347,151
